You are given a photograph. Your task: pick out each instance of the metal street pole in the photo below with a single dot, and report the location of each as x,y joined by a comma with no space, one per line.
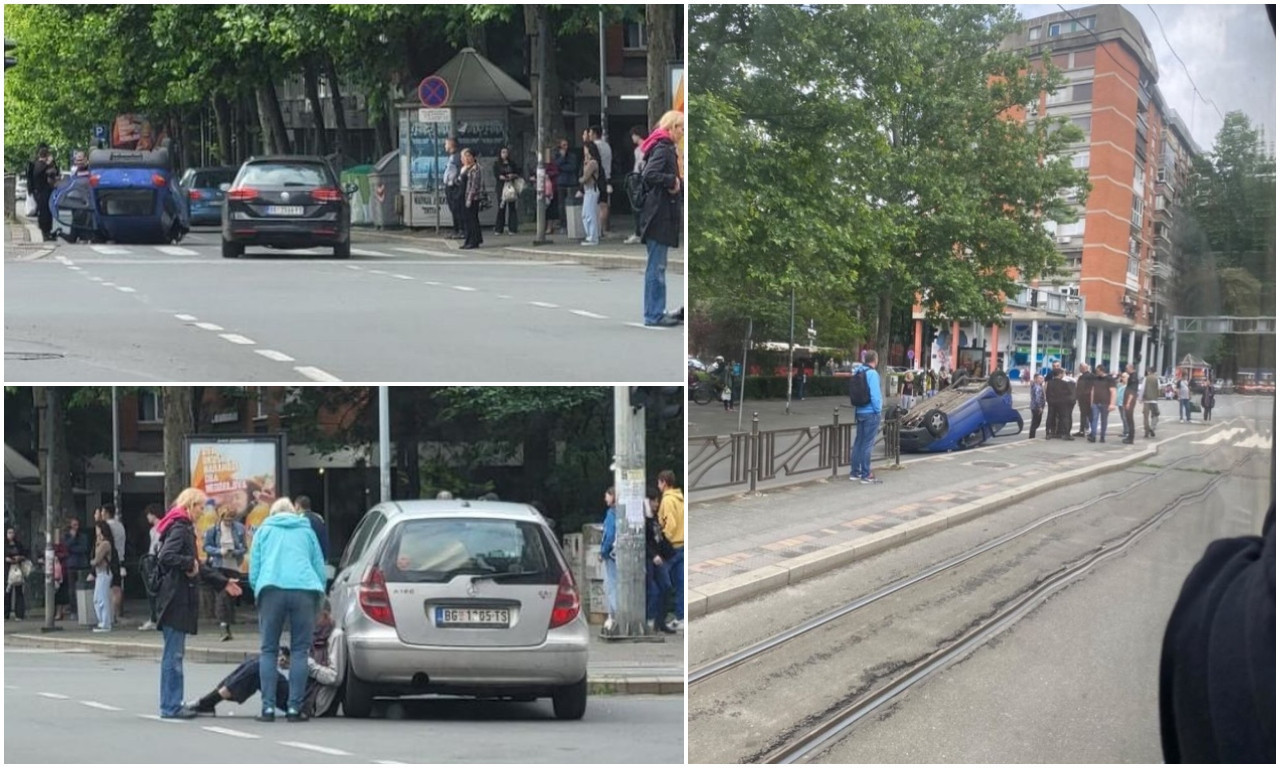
384,445
604,94
540,176
791,350
52,415
742,386
629,486
115,453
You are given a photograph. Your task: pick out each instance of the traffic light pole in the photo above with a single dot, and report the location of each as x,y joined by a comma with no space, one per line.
629,485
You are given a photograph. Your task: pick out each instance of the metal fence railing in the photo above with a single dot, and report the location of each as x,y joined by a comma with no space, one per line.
750,458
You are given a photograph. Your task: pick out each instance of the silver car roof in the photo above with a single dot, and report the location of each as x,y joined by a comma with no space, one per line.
452,508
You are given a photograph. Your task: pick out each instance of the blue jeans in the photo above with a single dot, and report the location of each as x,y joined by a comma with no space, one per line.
1098,421
674,573
655,282
591,215
275,606
175,646
656,586
102,598
611,586
1184,409
860,451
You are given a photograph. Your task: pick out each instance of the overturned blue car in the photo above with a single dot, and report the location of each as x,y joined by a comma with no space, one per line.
128,196
966,415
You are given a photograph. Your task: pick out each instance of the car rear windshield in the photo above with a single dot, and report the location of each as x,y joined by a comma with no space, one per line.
437,550
212,179
285,175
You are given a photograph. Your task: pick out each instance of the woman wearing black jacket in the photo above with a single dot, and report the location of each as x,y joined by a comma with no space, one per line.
657,550
662,215
15,598
178,597
506,172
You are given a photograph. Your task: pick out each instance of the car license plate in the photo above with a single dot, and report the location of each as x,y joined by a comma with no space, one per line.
486,617
284,210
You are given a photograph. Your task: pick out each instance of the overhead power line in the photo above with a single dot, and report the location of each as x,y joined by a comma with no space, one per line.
1195,89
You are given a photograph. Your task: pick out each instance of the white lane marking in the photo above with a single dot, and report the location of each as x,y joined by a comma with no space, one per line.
11,687
648,327
96,279
63,259
315,374
236,338
160,719
420,251
379,271
174,250
208,326
313,747
73,269
111,250
109,285
1219,437
48,695
545,304
464,288
402,277
124,289
592,315
271,354
1254,441
353,266
100,705
186,318
432,282
363,252
230,732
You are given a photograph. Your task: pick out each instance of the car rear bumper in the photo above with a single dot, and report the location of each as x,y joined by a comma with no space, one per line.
379,657
285,234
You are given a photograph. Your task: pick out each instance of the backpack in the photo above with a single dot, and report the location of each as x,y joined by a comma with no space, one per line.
150,567
859,390
636,191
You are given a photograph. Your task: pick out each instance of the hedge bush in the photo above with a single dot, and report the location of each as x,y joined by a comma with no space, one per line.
775,387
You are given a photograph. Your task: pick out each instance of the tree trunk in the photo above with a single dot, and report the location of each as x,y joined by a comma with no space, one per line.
51,409
276,118
269,146
339,114
222,119
311,78
884,323
661,36
406,429
178,423
540,37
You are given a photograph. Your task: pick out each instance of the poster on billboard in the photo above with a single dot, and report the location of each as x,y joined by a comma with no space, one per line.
133,131
242,475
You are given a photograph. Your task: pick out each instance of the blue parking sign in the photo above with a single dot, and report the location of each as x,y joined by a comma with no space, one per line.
99,132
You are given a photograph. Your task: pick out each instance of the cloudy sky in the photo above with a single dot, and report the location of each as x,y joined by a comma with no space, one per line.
1230,53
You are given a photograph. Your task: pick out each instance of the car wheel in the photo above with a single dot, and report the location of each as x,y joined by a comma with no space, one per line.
937,423
357,695
342,250
570,701
999,382
232,250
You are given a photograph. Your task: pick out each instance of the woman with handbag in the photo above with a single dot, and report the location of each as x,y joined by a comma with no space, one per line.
473,183
17,566
661,218
590,194
106,571
509,183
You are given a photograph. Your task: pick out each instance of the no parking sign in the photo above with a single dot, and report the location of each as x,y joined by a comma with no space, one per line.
433,91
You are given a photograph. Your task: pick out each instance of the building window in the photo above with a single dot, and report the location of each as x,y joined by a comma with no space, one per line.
1080,160
1084,123
1160,203
1139,178
1084,58
1060,96
1082,92
1132,267
1033,33
1074,229
1160,175
1055,30
634,37
150,406
1067,27
1136,216
260,403
1061,60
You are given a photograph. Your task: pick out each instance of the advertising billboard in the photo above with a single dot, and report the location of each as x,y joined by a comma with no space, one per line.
243,474
132,131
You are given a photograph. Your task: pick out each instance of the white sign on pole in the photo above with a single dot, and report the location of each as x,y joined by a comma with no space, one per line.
426,115
631,494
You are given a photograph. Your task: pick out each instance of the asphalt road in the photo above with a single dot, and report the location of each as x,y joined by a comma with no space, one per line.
1073,681
397,311
62,707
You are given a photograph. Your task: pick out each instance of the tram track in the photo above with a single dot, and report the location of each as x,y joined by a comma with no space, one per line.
791,709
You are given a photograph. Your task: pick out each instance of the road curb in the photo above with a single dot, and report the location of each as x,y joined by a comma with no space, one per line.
600,684
744,586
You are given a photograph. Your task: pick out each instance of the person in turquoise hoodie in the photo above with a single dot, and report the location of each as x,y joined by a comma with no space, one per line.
610,563
868,418
286,572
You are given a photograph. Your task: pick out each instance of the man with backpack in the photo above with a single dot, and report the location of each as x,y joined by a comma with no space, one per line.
866,399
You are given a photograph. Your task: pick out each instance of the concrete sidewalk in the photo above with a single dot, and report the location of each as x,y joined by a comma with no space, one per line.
613,667
750,544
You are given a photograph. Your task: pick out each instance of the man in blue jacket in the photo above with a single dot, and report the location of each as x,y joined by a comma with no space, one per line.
867,416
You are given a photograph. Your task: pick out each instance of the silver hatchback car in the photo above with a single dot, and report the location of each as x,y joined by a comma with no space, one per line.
465,598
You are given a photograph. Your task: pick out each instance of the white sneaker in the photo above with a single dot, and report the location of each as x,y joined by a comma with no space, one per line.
148,625
677,625
632,240
101,629
609,624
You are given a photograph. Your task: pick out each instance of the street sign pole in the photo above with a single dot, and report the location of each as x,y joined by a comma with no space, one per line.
742,386
53,417
540,175
629,488
384,445
791,350
115,454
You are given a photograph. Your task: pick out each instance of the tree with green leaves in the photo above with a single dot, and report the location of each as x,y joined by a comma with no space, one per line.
867,156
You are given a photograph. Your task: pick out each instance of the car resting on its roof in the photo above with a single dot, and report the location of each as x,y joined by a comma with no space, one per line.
962,416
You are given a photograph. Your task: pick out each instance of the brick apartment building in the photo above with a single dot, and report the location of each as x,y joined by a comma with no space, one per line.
1119,256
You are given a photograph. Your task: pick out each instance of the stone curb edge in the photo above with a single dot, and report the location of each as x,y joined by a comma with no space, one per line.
603,684
736,589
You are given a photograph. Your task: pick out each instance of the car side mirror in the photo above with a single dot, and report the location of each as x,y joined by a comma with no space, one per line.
224,187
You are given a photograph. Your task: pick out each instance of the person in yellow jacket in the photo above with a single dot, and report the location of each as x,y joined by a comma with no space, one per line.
671,515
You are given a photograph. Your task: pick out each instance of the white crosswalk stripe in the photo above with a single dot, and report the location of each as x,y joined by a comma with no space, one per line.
365,252
1255,441
111,250
175,250
1219,437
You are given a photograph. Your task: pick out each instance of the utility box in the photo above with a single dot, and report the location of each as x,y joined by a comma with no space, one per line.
593,569
384,189
573,219
86,615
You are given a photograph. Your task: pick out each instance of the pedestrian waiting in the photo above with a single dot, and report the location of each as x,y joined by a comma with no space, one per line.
286,572
671,516
225,548
17,566
657,552
607,542
106,570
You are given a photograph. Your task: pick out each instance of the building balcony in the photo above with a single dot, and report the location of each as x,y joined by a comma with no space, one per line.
1161,270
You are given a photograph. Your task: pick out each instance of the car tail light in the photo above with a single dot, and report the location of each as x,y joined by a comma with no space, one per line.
327,195
242,194
374,600
194,194
158,180
567,604
94,179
